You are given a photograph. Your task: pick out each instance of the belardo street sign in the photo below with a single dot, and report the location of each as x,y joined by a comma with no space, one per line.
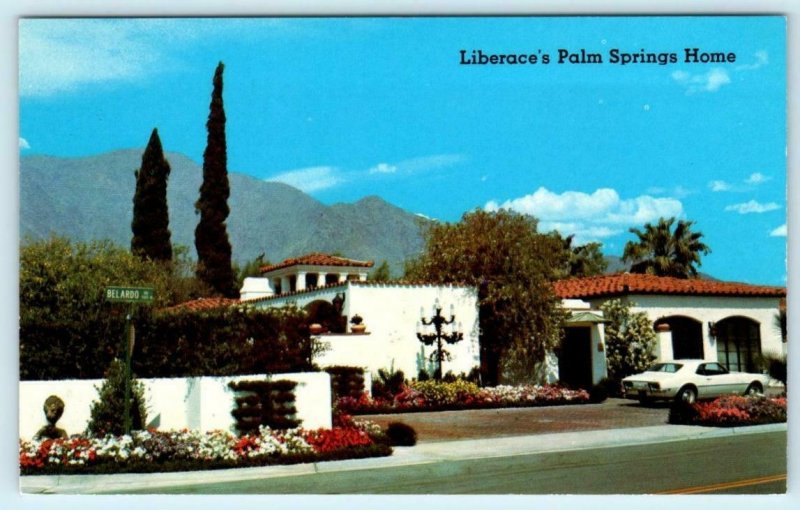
130,294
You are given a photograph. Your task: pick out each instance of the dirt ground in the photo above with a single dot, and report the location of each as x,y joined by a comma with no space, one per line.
486,423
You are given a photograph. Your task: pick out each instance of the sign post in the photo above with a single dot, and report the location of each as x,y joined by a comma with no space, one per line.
132,296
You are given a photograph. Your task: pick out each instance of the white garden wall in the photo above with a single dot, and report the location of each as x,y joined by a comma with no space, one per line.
199,403
391,313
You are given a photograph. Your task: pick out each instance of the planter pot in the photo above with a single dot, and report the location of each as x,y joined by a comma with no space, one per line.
316,329
358,328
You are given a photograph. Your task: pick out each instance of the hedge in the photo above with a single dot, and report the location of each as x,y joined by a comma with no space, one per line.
219,342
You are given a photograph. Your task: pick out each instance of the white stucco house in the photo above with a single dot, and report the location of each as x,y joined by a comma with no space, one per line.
330,287
694,318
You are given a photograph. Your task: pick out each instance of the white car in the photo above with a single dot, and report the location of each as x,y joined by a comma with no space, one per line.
690,380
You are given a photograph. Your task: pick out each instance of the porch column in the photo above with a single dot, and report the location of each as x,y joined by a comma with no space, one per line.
301,281
342,277
321,279
362,277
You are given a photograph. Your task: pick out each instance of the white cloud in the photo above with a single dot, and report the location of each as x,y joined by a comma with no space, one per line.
23,143
58,55
757,178
432,162
590,216
418,165
762,59
719,186
677,191
753,207
713,80
62,55
710,81
310,179
383,168
779,232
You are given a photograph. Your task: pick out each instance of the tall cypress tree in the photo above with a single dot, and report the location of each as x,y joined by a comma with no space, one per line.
211,235
150,225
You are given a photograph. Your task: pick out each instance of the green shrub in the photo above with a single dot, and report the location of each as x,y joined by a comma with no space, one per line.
444,393
401,434
775,365
346,381
682,413
226,341
630,339
67,329
269,404
613,387
108,413
388,383
598,393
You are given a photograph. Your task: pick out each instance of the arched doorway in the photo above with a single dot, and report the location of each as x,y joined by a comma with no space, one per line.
324,313
687,336
738,343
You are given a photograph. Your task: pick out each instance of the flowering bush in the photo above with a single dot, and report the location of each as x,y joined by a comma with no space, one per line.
445,393
436,395
731,410
153,450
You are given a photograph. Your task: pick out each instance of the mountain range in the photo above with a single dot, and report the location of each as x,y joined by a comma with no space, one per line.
91,198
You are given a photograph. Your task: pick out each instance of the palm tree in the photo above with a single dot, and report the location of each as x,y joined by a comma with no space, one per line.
664,252
581,260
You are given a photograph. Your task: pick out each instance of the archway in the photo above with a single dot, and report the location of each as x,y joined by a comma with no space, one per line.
687,336
738,343
324,313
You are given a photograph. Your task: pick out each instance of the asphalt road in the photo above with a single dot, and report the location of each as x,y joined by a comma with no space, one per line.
749,464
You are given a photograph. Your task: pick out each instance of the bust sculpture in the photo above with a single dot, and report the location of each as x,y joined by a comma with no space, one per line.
53,409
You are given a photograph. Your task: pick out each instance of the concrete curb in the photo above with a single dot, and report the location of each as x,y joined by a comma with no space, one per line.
424,453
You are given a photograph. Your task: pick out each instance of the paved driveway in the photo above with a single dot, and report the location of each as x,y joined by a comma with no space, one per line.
486,423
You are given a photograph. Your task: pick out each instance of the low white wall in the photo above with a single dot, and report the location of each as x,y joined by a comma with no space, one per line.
199,403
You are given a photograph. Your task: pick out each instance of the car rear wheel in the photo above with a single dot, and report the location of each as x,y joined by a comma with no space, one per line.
754,389
687,394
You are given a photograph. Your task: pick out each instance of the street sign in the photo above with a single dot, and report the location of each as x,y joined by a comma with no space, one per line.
130,294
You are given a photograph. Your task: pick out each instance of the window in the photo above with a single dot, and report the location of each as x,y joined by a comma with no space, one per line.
713,369
738,343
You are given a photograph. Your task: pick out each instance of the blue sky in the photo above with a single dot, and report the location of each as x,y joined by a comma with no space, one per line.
344,108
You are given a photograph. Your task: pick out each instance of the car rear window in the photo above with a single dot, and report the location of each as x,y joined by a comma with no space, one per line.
665,367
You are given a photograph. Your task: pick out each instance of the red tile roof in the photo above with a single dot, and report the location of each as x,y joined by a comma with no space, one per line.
628,283
317,259
208,303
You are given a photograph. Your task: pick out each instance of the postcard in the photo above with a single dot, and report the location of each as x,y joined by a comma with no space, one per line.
403,255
